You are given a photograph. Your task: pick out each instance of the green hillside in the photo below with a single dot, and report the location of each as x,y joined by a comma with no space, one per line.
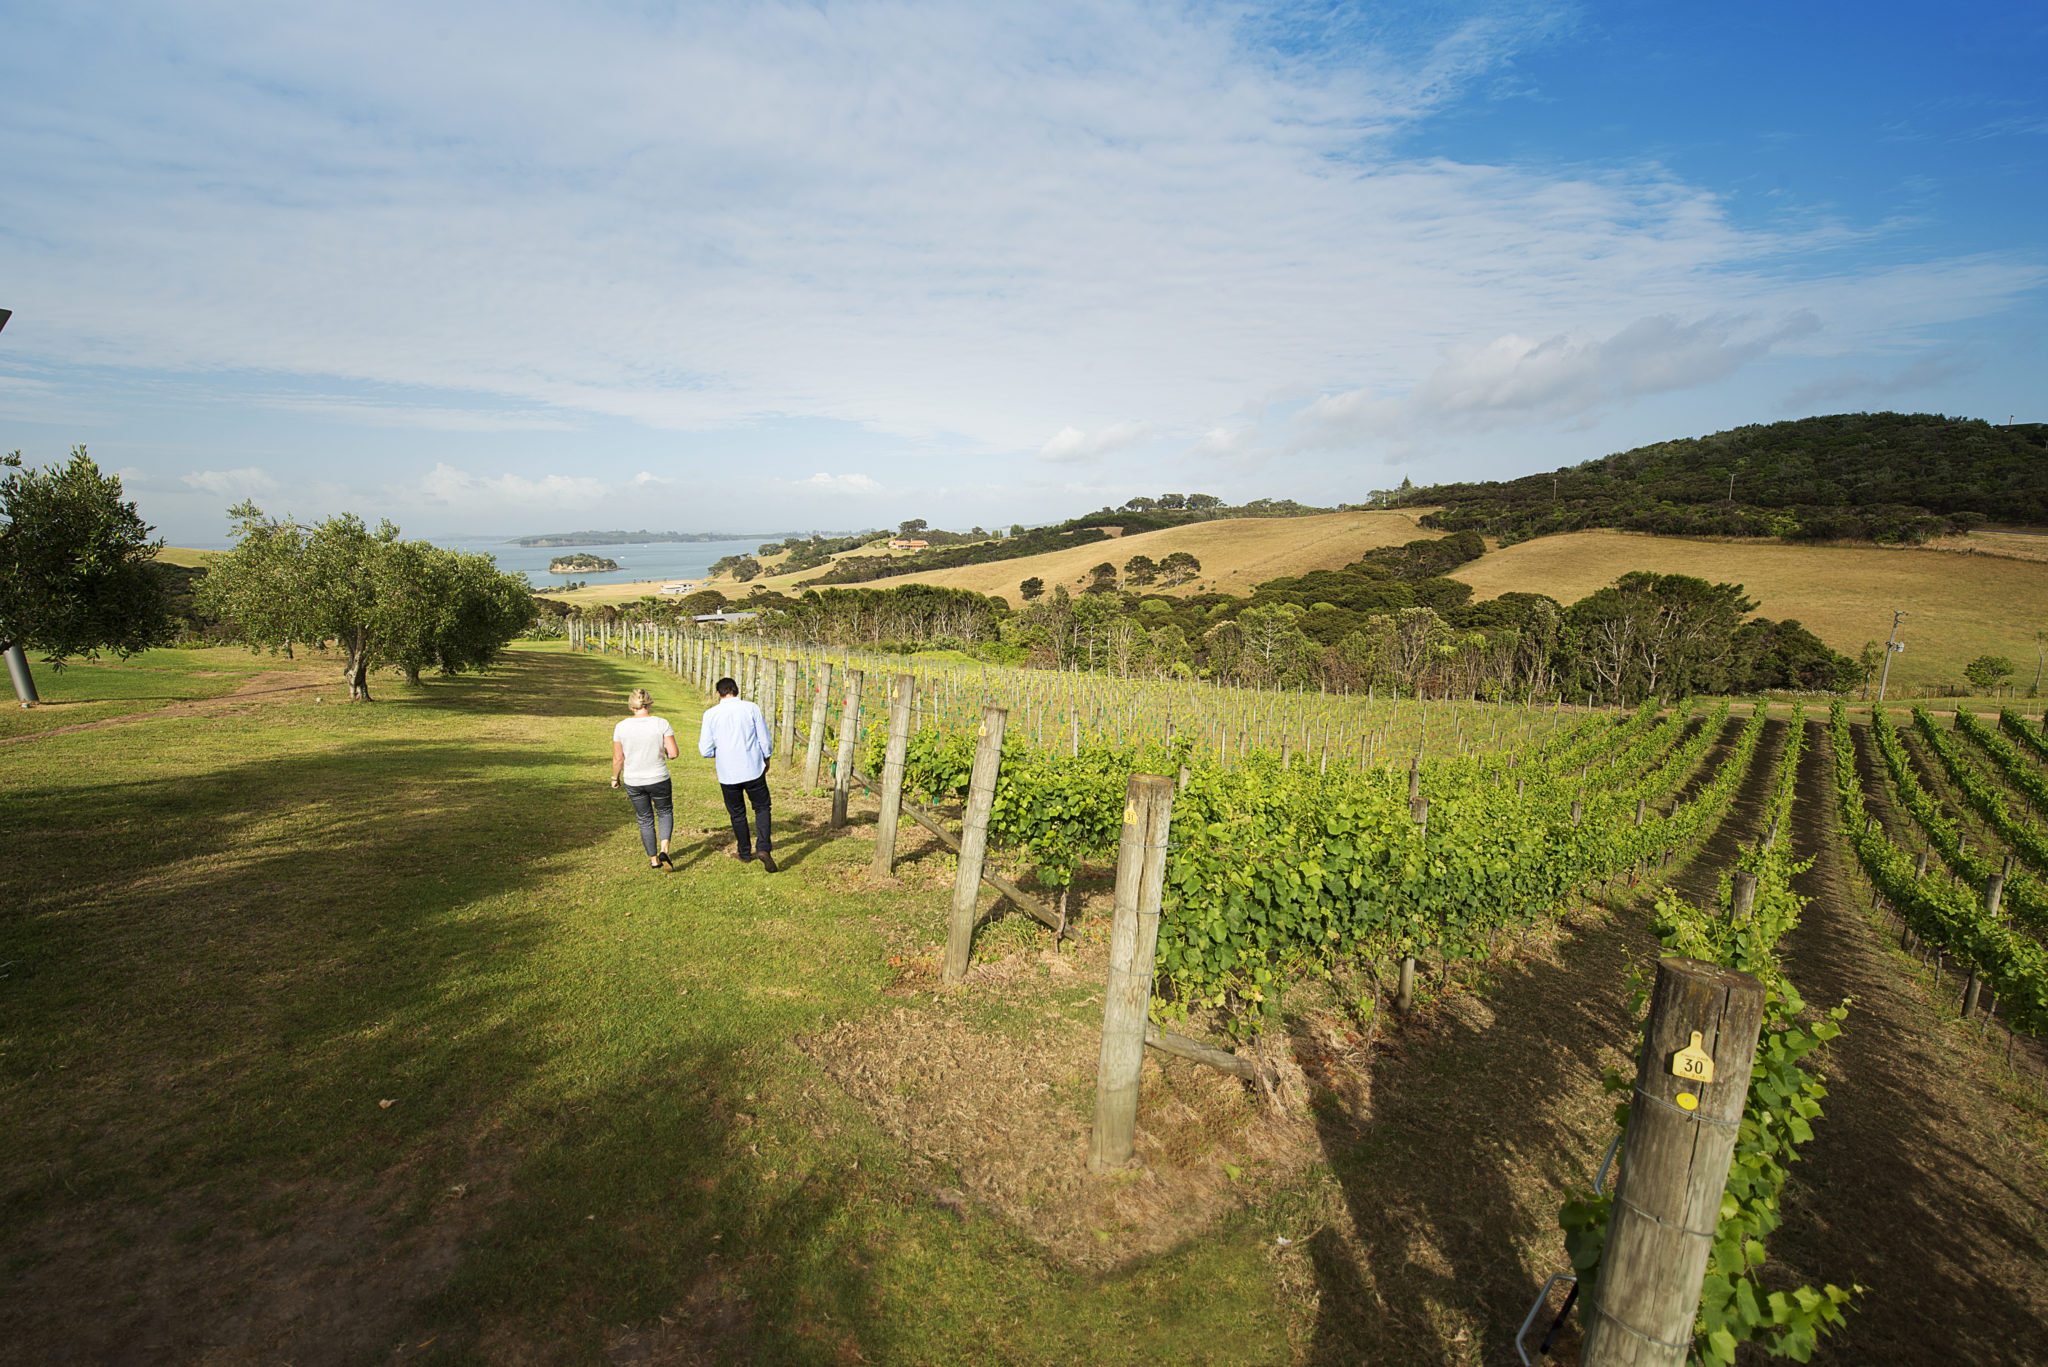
1890,477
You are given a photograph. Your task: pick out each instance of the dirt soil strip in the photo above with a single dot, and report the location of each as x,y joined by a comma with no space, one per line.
1927,1180
1700,881
264,688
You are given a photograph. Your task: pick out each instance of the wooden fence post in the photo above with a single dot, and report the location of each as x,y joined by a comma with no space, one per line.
1418,812
849,737
1691,1084
764,696
1744,894
981,797
786,739
900,695
814,753
1133,942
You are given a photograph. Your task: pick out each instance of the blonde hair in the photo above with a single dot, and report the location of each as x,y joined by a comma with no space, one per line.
639,698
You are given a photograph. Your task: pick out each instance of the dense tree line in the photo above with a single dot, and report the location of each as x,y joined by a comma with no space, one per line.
1390,621
1889,477
382,601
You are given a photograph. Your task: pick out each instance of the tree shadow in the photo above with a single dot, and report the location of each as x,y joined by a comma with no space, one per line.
288,1066
525,683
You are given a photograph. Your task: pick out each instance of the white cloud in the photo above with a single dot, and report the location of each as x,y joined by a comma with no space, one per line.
242,483
836,484
647,479
958,225
446,486
1512,378
1073,444
1836,390
426,417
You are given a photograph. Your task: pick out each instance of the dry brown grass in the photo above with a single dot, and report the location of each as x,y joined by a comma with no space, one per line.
1959,606
1236,553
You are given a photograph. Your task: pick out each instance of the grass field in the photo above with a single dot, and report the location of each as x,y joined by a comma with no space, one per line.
1960,606
335,1033
94,690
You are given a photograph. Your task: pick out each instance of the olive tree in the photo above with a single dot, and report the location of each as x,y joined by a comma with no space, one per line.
77,572
382,601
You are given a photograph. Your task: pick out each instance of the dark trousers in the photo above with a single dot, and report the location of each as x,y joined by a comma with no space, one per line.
737,796
653,805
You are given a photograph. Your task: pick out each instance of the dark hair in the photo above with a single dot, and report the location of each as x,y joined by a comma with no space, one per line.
728,689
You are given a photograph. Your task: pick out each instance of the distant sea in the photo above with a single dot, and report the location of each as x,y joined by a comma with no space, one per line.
657,560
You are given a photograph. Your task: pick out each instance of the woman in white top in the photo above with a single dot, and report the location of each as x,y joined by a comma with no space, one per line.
642,746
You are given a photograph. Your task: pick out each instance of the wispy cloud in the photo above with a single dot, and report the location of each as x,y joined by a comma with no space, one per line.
445,486
247,482
952,228
1072,444
836,484
1835,390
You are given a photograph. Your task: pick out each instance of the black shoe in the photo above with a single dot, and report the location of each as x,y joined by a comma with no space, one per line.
742,856
667,866
767,861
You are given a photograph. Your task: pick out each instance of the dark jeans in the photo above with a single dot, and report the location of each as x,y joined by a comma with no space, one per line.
737,796
656,800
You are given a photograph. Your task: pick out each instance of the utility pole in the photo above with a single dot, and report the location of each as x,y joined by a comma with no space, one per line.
1891,648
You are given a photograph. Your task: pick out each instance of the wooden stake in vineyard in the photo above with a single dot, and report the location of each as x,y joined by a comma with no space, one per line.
1691,1085
814,753
849,737
900,694
1133,944
981,798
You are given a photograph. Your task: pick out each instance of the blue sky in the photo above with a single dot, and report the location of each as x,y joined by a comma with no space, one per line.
522,267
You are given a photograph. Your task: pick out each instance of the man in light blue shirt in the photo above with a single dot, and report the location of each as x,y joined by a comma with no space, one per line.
735,737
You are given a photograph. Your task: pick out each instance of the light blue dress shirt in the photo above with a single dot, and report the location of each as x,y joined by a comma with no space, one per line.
736,736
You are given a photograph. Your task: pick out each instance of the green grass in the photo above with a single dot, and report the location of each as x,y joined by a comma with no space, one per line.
93,690
226,939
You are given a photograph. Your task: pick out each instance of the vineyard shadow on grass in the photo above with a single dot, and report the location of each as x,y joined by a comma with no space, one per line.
1484,1115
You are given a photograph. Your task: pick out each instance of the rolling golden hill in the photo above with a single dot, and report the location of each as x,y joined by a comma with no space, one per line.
1959,605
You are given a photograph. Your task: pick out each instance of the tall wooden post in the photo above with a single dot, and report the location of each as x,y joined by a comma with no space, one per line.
1418,812
1674,1163
1133,943
814,753
849,737
764,696
900,694
981,798
785,742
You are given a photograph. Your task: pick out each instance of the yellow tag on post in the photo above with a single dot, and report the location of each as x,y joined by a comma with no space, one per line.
1693,1063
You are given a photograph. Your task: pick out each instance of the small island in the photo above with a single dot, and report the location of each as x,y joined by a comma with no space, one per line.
580,563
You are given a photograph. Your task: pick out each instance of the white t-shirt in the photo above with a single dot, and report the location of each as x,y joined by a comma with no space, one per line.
641,738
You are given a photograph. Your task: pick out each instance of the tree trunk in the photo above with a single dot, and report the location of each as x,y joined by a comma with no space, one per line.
357,674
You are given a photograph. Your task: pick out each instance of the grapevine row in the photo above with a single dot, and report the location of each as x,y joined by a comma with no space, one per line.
1785,1096
2021,835
1949,918
2024,896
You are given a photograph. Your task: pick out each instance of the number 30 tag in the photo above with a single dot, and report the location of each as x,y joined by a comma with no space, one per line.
1692,1063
